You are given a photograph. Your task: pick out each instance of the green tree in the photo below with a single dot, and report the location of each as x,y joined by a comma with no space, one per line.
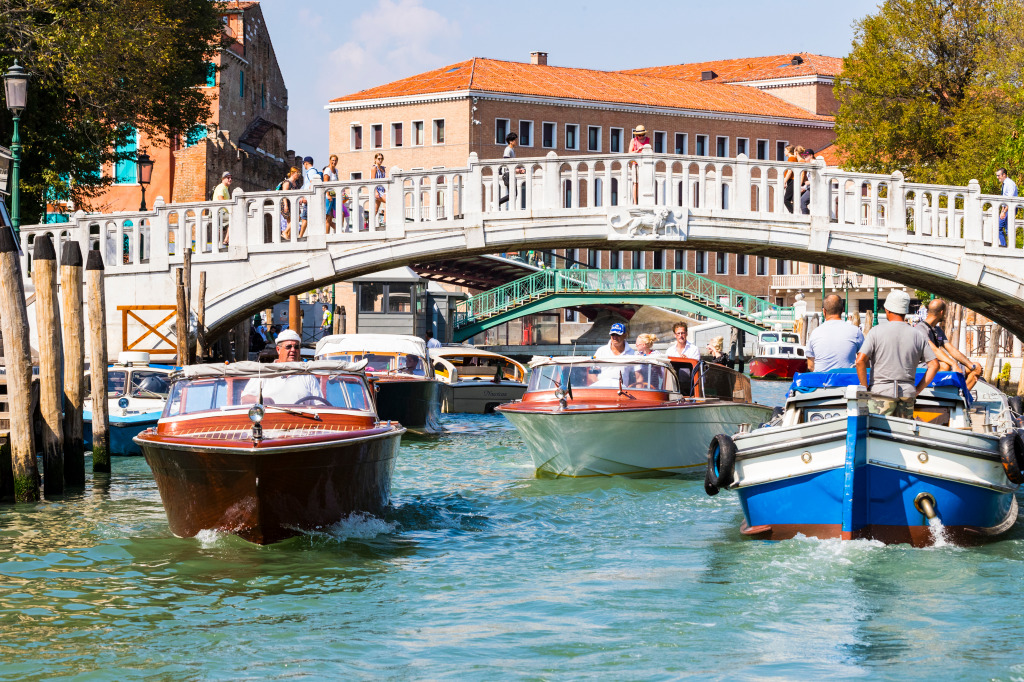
100,68
932,88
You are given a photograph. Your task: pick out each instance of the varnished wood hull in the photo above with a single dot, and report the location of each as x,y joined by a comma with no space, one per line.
269,493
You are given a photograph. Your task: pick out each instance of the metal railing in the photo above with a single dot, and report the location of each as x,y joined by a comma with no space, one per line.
682,283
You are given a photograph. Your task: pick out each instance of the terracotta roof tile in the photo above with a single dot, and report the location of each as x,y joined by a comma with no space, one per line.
517,78
750,68
831,155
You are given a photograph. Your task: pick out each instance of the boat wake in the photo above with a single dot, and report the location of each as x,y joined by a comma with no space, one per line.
938,533
357,526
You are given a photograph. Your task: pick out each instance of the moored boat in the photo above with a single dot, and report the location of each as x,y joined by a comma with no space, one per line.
407,391
228,455
136,393
778,355
830,469
476,380
635,416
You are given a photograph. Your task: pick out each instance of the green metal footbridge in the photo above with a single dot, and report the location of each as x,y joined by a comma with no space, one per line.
674,289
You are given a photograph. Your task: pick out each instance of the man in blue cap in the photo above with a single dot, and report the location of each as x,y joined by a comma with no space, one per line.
616,343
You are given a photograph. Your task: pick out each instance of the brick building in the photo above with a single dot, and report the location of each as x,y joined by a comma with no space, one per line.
245,134
752,106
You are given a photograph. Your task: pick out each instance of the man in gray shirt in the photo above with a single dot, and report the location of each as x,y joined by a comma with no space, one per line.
894,351
834,344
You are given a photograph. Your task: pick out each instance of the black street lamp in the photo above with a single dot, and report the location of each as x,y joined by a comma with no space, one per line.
843,279
145,175
16,94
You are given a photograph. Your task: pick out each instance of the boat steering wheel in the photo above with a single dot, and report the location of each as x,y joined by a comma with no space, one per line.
640,384
309,400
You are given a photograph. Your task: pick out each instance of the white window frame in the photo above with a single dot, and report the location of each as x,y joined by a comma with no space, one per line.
599,132
654,141
719,138
746,143
675,260
355,175
533,136
745,259
372,126
696,145
719,255
554,135
767,149
622,139
781,144
433,131
577,127
412,137
686,143
697,270
401,124
508,129
352,138
759,270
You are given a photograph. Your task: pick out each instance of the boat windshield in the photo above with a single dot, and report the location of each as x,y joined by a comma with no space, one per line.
117,379
300,390
481,366
150,385
769,338
384,362
790,338
598,375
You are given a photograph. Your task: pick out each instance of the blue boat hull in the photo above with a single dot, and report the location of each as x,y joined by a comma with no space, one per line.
121,433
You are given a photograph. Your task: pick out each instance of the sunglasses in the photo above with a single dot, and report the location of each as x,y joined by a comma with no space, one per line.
290,346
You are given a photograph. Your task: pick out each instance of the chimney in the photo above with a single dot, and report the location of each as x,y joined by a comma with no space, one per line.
539,58
797,60
708,75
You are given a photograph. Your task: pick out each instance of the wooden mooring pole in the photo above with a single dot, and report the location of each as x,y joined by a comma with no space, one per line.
181,321
18,359
98,361
294,316
190,345
203,350
51,367
74,362
991,371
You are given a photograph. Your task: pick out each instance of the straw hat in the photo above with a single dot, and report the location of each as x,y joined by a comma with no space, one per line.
640,130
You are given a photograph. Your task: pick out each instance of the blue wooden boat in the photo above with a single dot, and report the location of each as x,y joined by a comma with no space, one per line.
827,468
136,393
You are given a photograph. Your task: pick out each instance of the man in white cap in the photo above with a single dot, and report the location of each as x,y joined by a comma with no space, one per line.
894,351
289,389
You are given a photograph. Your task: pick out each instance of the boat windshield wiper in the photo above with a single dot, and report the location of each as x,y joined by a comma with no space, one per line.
297,413
621,392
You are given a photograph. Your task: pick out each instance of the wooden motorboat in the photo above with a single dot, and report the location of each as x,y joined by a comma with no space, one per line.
136,393
475,380
634,416
228,455
407,391
778,355
828,468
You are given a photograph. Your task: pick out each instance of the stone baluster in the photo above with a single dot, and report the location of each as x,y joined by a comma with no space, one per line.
591,190
819,190
701,198
574,184
158,230
741,184
552,183
897,215
449,197
394,218
973,215
645,177
473,201
687,197
417,200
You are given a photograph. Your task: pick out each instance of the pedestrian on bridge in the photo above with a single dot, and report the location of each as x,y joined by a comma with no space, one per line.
291,181
1008,188
636,145
807,156
379,172
330,174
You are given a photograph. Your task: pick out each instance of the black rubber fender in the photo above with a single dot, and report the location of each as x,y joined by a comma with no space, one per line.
1011,452
721,464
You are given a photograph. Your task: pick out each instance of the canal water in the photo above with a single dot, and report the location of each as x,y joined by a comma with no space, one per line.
482,571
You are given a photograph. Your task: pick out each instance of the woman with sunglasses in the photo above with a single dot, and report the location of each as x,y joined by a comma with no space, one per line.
636,145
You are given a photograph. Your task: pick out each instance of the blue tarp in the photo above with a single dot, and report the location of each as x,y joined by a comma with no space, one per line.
837,378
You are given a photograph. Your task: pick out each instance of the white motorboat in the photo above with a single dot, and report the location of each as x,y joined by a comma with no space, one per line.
475,380
636,416
136,393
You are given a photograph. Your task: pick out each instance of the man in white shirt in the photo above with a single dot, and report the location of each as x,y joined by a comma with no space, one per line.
682,349
286,390
431,341
1008,188
615,347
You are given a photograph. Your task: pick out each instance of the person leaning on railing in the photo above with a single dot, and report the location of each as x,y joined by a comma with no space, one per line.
636,145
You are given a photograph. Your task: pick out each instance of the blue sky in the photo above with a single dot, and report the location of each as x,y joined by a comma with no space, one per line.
330,48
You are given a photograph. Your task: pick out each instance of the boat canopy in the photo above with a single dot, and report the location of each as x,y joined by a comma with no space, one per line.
660,360
378,343
808,381
268,370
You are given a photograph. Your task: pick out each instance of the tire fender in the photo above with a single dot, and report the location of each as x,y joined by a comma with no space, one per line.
721,464
1011,452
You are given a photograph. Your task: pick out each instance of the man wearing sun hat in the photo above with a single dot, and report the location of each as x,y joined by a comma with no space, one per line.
894,350
288,389
636,145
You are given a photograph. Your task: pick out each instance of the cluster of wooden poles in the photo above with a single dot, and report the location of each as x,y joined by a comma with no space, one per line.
60,323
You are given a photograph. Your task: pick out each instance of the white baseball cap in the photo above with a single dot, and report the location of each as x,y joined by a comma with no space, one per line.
288,335
897,302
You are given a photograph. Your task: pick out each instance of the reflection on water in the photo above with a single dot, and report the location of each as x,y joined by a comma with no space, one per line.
479,569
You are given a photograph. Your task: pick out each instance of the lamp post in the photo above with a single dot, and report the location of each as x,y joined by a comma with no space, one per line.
145,175
874,322
843,279
16,93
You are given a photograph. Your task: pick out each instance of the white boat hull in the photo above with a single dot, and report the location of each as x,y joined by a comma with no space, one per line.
479,397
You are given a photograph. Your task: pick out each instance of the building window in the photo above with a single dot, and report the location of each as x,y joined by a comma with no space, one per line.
127,167
399,297
702,145
721,146
815,269
241,83
572,132
549,131
762,266
614,258
526,133
263,95
780,266
501,130
700,262
780,301
680,260
659,141
195,135
742,146
417,133
211,75
371,297
721,263
396,134
762,150
780,150
593,258
659,260
593,138
438,131
377,135
682,143
615,140
357,138
741,264
355,175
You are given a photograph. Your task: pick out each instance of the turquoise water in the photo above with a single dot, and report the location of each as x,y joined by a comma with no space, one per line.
482,571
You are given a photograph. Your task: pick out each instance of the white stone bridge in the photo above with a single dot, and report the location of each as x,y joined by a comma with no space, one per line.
937,238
